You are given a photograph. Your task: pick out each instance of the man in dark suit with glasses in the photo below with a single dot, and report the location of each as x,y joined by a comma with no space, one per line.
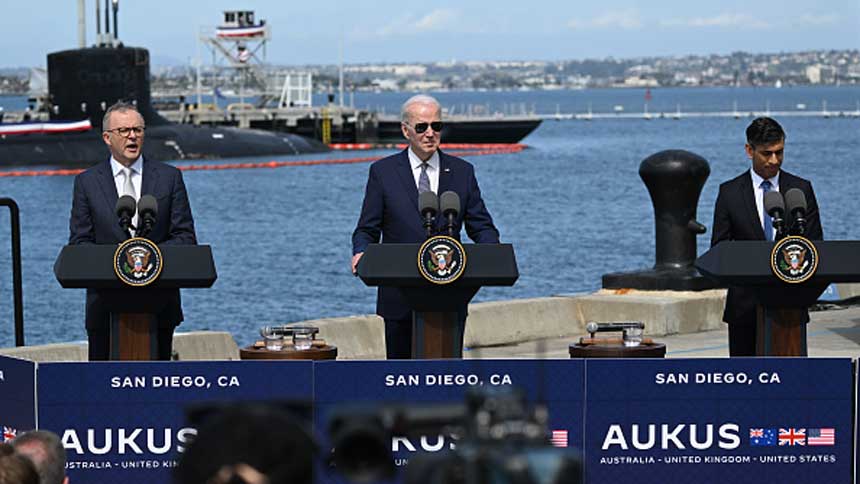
390,208
93,220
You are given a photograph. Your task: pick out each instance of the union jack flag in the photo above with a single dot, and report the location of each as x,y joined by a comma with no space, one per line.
9,433
559,438
792,436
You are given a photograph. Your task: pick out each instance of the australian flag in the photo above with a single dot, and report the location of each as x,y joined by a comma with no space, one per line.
9,433
762,437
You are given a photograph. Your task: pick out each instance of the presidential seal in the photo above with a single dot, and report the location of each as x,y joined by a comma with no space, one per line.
441,259
794,259
137,262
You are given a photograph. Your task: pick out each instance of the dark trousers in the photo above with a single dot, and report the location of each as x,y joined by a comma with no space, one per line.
398,337
99,343
742,339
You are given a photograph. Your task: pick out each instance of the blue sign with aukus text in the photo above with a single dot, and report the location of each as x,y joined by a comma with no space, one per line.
708,421
125,422
17,396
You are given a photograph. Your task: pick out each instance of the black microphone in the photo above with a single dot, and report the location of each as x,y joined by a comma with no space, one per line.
125,207
449,202
147,214
428,204
795,201
774,207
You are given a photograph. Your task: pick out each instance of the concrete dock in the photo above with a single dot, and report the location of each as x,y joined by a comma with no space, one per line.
688,323
834,332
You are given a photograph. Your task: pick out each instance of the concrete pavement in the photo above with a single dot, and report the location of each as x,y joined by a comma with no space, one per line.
833,332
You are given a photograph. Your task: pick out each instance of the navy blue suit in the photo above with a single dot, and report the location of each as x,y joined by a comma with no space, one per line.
93,221
736,218
390,214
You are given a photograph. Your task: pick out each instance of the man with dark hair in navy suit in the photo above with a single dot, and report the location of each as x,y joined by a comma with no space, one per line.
739,215
93,220
390,208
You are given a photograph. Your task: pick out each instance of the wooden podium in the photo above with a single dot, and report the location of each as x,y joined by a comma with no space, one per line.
780,328
437,307
133,324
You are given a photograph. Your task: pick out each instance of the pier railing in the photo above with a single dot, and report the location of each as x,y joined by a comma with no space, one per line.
16,269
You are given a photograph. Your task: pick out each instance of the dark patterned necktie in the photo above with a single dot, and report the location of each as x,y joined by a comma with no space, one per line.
768,223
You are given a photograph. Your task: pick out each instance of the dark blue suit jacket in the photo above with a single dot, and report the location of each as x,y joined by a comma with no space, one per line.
390,214
93,221
736,218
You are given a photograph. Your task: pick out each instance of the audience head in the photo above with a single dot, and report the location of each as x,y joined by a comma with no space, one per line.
47,453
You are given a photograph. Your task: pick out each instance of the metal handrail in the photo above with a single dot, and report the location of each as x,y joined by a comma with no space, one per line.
16,269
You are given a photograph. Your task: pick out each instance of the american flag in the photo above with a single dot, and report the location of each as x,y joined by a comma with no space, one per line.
559,438
9,433
792,436
821,437
762,437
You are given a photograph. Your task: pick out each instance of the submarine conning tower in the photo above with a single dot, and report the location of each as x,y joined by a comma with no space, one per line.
83,83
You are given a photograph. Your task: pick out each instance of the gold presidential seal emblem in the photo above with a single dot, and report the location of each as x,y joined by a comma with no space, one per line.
137,262
794,259
441,259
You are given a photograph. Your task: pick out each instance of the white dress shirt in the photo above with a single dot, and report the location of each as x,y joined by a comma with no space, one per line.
432,169
758,195
136,180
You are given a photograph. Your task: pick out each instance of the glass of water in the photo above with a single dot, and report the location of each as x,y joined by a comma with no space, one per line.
303,337
632,337
273,340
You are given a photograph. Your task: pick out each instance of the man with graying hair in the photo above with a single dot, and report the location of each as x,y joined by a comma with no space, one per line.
47,453
390,210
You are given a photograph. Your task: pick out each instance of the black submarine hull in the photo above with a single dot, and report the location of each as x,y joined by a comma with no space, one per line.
83,83
162,143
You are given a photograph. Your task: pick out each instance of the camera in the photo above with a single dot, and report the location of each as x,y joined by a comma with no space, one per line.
498,439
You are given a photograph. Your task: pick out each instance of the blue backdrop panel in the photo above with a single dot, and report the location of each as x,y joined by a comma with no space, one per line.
17,396
556,383
125,422
718,421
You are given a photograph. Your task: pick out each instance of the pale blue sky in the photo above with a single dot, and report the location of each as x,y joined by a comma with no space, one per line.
309,32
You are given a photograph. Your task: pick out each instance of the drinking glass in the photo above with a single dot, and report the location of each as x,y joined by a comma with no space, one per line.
303,337
632,337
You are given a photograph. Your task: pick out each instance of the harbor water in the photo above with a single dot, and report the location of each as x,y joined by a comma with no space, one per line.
572,204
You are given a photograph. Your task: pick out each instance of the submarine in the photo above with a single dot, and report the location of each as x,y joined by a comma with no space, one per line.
84,82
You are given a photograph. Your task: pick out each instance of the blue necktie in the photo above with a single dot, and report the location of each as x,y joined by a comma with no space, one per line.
768,223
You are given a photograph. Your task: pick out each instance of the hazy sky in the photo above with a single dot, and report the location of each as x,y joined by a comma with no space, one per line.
310,32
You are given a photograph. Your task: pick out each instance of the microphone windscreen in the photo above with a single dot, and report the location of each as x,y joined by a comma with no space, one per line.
592,327
125,206
449,202
428,202
773,202
795,200
147,205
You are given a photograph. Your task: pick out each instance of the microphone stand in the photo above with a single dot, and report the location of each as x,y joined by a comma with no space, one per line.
799,223
429,221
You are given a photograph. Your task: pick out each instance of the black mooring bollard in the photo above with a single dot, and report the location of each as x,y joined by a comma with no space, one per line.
674,179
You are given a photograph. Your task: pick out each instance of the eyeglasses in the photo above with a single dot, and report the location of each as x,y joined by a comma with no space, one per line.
422,127
125,131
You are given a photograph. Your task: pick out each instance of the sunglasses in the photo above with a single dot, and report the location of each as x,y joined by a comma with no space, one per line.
422,127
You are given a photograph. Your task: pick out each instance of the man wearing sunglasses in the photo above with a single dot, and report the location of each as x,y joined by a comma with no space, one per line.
390,208
94,221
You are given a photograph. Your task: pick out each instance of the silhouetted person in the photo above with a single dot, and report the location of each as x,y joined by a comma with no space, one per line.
249,444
